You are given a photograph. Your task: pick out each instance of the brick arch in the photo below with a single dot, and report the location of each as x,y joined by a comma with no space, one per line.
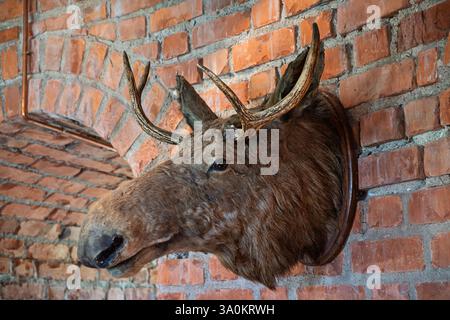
85,82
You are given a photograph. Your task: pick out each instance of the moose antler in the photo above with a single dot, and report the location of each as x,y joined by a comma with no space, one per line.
256,119
136,97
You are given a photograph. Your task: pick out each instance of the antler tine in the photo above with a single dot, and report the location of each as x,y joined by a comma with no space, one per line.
136,96
244,114
300,89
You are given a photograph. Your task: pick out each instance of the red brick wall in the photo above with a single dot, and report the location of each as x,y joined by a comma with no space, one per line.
394,83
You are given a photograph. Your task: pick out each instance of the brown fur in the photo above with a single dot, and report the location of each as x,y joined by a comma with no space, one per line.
258,226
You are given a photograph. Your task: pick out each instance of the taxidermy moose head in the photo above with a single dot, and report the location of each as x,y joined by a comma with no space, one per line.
259,226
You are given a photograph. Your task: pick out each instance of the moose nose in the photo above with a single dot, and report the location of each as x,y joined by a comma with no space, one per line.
99,251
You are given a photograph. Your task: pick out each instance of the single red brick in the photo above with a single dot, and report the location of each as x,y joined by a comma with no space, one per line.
353,14
324,22
295,6
444,106
21,192
104,30
8,226
56,293
147,50
172,117
382,126
34,92
385,212
336,62
220,28
391,255
108,119
175,44
433,291
269,46
113,70
74,52
153,101
89,105
171,296
9,63
397,291
24,268
35,55
95,59
43,251
145,153
277,294
9,34
12,96
446,55
125,137
12,247
265,12
87,294
28,212
50,24
15,158
4,265
427,72
437,157
34,228
421,116
53,53
69,99
391,79
179,272
133,28
212,6
226,294
424,26
170,16
115,294
187,69
92,164
52,91
56,168
261,84
430,205
340,292
440,252
390,167
95,12
99,178
218,272
61,185
9,9
372,46
217,61
46,5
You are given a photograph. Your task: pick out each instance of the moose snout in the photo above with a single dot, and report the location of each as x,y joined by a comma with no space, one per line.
99,250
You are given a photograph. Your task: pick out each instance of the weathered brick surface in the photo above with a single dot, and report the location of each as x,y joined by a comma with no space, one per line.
392,80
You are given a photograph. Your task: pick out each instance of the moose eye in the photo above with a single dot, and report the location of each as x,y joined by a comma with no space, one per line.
218,166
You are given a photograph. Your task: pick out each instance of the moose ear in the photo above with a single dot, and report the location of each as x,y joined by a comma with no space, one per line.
291,75
193,106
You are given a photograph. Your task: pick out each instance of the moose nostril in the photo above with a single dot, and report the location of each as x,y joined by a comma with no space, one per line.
104,258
